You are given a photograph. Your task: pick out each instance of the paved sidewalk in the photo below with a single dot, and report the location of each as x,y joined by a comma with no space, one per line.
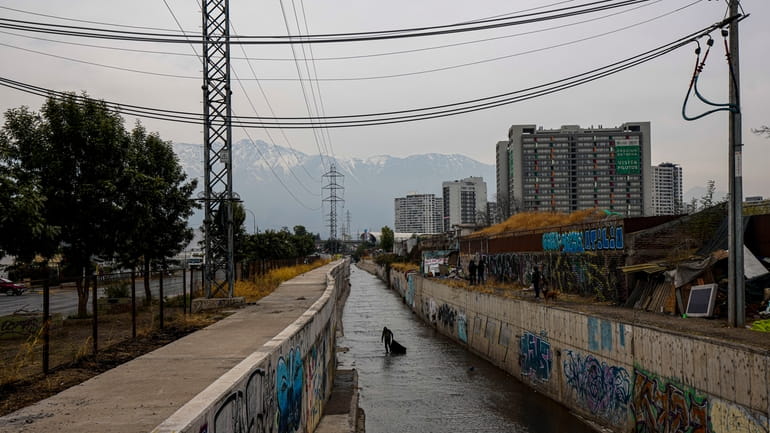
139,395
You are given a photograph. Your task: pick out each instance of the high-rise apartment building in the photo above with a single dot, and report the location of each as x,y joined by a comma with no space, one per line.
574,168
465,202
667,189
419,213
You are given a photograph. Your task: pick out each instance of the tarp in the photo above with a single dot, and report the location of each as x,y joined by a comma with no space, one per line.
688,271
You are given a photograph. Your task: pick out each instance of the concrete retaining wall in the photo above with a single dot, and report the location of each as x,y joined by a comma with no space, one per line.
627,377
283,386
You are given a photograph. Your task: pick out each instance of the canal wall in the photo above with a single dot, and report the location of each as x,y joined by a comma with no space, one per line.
282,387
623,375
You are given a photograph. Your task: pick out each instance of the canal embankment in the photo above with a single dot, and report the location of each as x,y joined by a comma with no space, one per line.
623,369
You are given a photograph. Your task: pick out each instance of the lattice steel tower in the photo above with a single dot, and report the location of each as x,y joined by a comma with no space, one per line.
334,187
217,136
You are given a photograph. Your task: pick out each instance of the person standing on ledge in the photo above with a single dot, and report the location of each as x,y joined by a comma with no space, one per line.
387,338
472,271
536,279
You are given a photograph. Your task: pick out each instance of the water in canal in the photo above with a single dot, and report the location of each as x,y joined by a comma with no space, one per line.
437,386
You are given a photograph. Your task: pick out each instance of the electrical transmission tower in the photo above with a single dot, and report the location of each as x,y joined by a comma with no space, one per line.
347,226
333,184
218,159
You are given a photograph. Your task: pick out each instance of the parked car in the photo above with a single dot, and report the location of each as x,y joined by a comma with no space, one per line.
10,288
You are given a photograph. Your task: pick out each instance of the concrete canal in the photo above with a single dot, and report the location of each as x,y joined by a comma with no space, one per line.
437,386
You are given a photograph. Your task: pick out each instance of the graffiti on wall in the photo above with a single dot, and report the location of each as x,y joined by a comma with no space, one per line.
316,380
410,290
603,390
605,238
447,315
535,357
247,410
660,405
430,310
729,417
289,378
462,328
586,274
599,334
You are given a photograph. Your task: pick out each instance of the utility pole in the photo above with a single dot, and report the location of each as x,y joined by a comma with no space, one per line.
218,159
736,284
335,189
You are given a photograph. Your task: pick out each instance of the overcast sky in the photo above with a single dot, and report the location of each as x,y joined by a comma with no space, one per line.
653,91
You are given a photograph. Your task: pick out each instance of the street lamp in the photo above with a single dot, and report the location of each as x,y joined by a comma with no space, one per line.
254,220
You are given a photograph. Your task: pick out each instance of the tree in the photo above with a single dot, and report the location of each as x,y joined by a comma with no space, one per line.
26,233
304,241
386,239
708,199
73,155
156,204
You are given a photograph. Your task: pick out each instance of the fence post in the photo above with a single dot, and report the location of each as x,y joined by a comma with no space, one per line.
133,302
160,292
46,324
192,287
95,333
184,289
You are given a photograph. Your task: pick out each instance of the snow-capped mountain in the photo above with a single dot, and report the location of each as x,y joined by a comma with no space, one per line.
283,187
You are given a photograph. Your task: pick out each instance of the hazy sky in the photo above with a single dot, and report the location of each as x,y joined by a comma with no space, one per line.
653,91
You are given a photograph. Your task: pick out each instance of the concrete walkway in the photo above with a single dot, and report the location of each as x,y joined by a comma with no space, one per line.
139,395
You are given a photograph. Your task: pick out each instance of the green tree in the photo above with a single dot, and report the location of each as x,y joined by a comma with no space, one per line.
78,163
156,204
304,241
26,233
386,239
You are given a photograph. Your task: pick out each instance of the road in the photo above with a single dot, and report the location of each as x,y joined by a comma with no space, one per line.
65,300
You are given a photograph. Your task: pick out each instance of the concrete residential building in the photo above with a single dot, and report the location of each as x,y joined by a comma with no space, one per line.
465,201
573,168
419,213
503,173
667,189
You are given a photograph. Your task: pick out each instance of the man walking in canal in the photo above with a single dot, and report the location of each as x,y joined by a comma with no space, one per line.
387,338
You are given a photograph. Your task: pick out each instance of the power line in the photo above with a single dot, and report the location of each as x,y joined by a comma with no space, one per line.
330,38
315,72
507,15
316,134
376,77
407,115
362,56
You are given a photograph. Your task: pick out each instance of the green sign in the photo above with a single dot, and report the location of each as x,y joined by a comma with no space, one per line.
627,160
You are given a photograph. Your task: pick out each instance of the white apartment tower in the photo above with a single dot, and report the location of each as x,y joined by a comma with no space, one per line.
419,213
573,168
465,201
667,189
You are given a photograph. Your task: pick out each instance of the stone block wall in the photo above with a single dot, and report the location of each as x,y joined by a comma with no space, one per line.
622,375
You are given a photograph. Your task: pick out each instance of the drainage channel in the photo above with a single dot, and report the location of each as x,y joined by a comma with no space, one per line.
438,386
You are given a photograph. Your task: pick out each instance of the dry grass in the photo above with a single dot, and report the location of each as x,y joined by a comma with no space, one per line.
535,220
264,285
405,267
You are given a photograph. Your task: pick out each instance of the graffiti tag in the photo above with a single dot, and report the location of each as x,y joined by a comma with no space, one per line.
663,406
604,390
535,357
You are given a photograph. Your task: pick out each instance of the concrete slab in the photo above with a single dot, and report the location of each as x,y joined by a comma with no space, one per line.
140,394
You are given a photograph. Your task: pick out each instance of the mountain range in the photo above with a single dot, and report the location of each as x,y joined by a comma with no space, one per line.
281,187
